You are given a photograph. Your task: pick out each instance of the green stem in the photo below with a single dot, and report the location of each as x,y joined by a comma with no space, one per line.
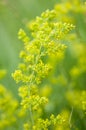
31,116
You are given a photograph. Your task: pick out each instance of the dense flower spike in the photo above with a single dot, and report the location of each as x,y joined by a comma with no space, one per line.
47,37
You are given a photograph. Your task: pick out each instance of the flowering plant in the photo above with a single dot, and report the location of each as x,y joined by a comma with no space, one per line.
46,39
50,75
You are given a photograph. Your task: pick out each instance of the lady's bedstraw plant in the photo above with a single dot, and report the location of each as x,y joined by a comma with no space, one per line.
45,41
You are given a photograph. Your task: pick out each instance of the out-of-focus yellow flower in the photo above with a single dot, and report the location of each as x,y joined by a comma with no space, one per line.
2,73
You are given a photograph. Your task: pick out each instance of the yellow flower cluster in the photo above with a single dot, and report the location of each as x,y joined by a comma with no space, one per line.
22,35
47,37
65,8
2,73
8,109
53,122
80,67
77,99
47,32
35,101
